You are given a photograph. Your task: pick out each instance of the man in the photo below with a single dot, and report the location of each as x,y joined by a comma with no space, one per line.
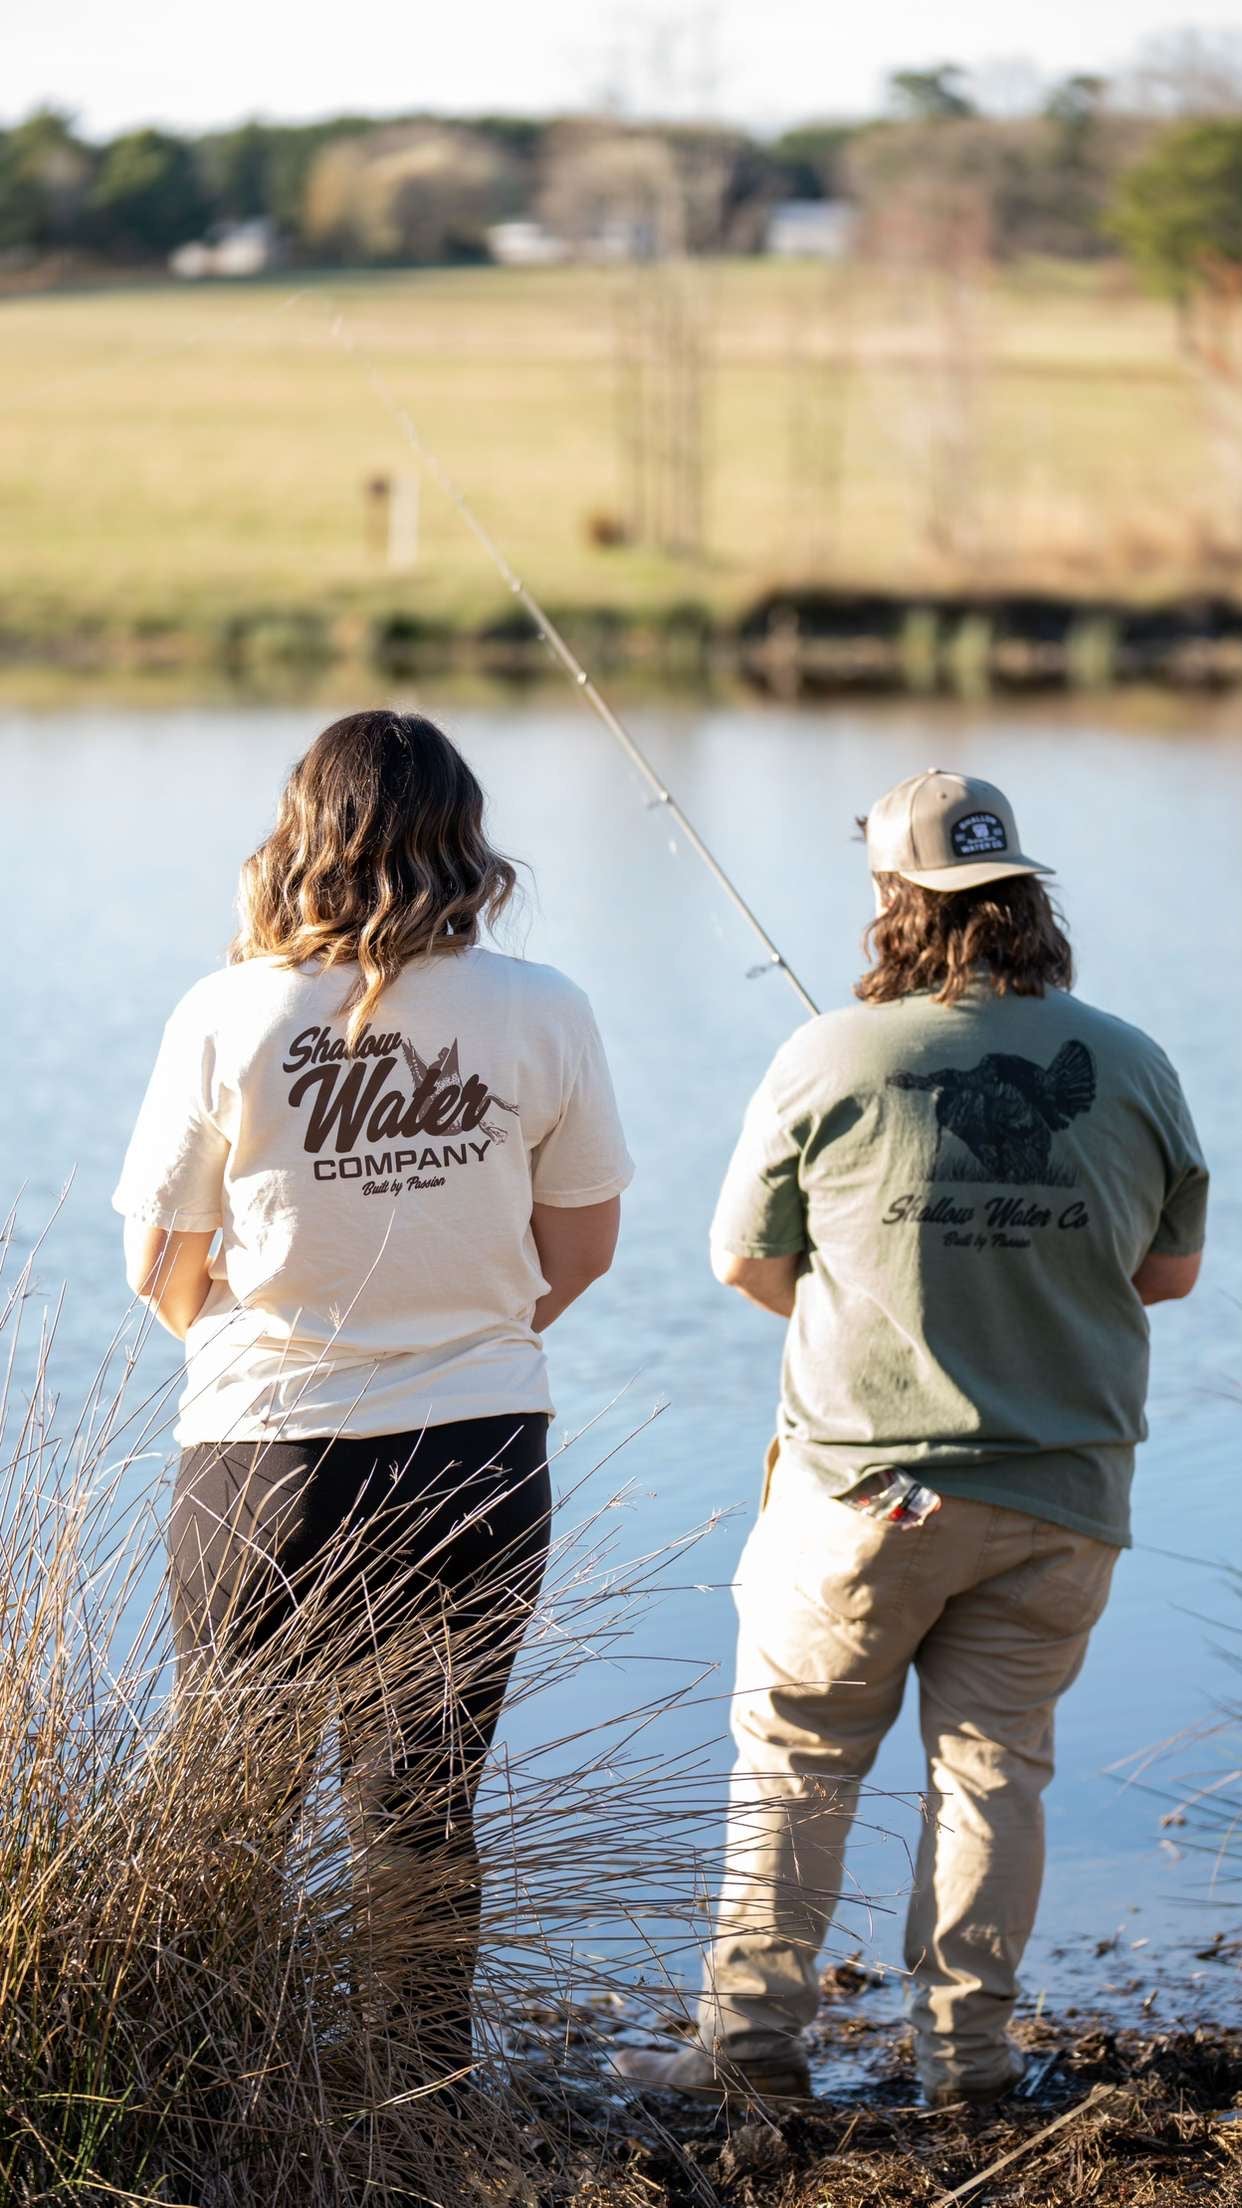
960,1194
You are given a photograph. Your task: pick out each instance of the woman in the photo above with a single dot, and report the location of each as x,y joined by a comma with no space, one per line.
409,1149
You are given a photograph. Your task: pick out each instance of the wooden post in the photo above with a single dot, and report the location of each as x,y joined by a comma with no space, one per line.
376,492
403,520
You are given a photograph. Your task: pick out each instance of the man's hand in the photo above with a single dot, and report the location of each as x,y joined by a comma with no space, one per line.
768,1281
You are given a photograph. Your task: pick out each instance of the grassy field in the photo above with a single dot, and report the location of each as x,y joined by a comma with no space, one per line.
173,457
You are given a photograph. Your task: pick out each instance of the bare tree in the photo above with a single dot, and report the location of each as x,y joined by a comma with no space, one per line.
1186,72
612,193
651,60
932,239
422,193
661,366
1008,86
819,346
623,195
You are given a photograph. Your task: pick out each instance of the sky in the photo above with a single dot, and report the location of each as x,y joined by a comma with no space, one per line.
763,63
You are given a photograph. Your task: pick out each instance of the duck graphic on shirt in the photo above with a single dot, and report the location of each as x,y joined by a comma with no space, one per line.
1003,1113
351,1098
442,1070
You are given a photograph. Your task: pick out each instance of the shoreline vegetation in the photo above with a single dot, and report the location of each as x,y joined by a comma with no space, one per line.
810,642
882,481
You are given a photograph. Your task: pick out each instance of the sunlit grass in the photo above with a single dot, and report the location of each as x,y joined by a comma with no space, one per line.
173,454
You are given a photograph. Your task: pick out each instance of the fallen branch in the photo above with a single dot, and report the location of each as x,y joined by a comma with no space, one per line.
1095,2099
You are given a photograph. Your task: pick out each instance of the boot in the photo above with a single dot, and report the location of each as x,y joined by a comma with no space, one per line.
979,2096
777,2079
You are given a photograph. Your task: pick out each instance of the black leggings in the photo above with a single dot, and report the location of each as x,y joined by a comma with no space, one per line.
407,1564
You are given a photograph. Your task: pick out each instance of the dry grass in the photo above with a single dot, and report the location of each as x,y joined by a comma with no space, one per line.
209,1999
173,457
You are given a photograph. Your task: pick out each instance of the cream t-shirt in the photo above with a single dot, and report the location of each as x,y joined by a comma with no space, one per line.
376,1270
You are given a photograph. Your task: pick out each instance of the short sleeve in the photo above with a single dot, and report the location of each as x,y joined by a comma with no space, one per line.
1183,1215
583,1158
761,1212
173,1175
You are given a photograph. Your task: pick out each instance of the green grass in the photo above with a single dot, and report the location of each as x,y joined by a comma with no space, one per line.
171,457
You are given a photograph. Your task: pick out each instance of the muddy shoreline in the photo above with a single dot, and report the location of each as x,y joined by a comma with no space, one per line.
1127,2121
1141,2113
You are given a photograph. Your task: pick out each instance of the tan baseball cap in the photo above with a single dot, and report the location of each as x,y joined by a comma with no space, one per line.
946,831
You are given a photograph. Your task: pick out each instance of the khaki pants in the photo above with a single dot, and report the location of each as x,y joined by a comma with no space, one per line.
993,1608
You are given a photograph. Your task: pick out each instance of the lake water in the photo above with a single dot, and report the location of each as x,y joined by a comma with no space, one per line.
123,834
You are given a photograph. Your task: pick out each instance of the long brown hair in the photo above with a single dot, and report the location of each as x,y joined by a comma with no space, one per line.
378,856
940,939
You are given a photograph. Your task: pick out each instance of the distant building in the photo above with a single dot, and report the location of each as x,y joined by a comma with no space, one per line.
525,245
610,238
810,229
621,238
235,249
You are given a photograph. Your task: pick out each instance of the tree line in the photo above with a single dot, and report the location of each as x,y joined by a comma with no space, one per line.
1080,176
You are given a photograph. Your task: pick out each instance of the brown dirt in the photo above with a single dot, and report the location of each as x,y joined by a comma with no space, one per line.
1165,2130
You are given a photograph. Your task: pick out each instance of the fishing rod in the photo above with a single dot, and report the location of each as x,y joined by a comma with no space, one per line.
561,650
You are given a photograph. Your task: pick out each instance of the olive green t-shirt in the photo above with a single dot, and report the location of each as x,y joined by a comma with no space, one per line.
973,1188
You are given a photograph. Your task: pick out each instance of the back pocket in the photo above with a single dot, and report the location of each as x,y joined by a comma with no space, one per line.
861,1567
1063,1586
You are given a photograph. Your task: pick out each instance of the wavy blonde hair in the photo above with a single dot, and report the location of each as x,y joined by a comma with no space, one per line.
378,856
939,939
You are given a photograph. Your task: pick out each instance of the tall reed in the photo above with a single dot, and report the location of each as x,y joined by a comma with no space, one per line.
208,1996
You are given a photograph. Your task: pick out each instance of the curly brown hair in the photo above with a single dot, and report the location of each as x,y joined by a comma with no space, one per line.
378,856
940,939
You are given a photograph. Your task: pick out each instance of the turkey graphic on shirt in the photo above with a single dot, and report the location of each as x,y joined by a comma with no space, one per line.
1003,1114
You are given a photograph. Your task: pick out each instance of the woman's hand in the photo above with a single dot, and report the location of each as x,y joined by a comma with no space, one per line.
575,1245
168,1271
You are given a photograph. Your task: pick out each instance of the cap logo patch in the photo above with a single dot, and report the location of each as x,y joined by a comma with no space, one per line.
978,832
